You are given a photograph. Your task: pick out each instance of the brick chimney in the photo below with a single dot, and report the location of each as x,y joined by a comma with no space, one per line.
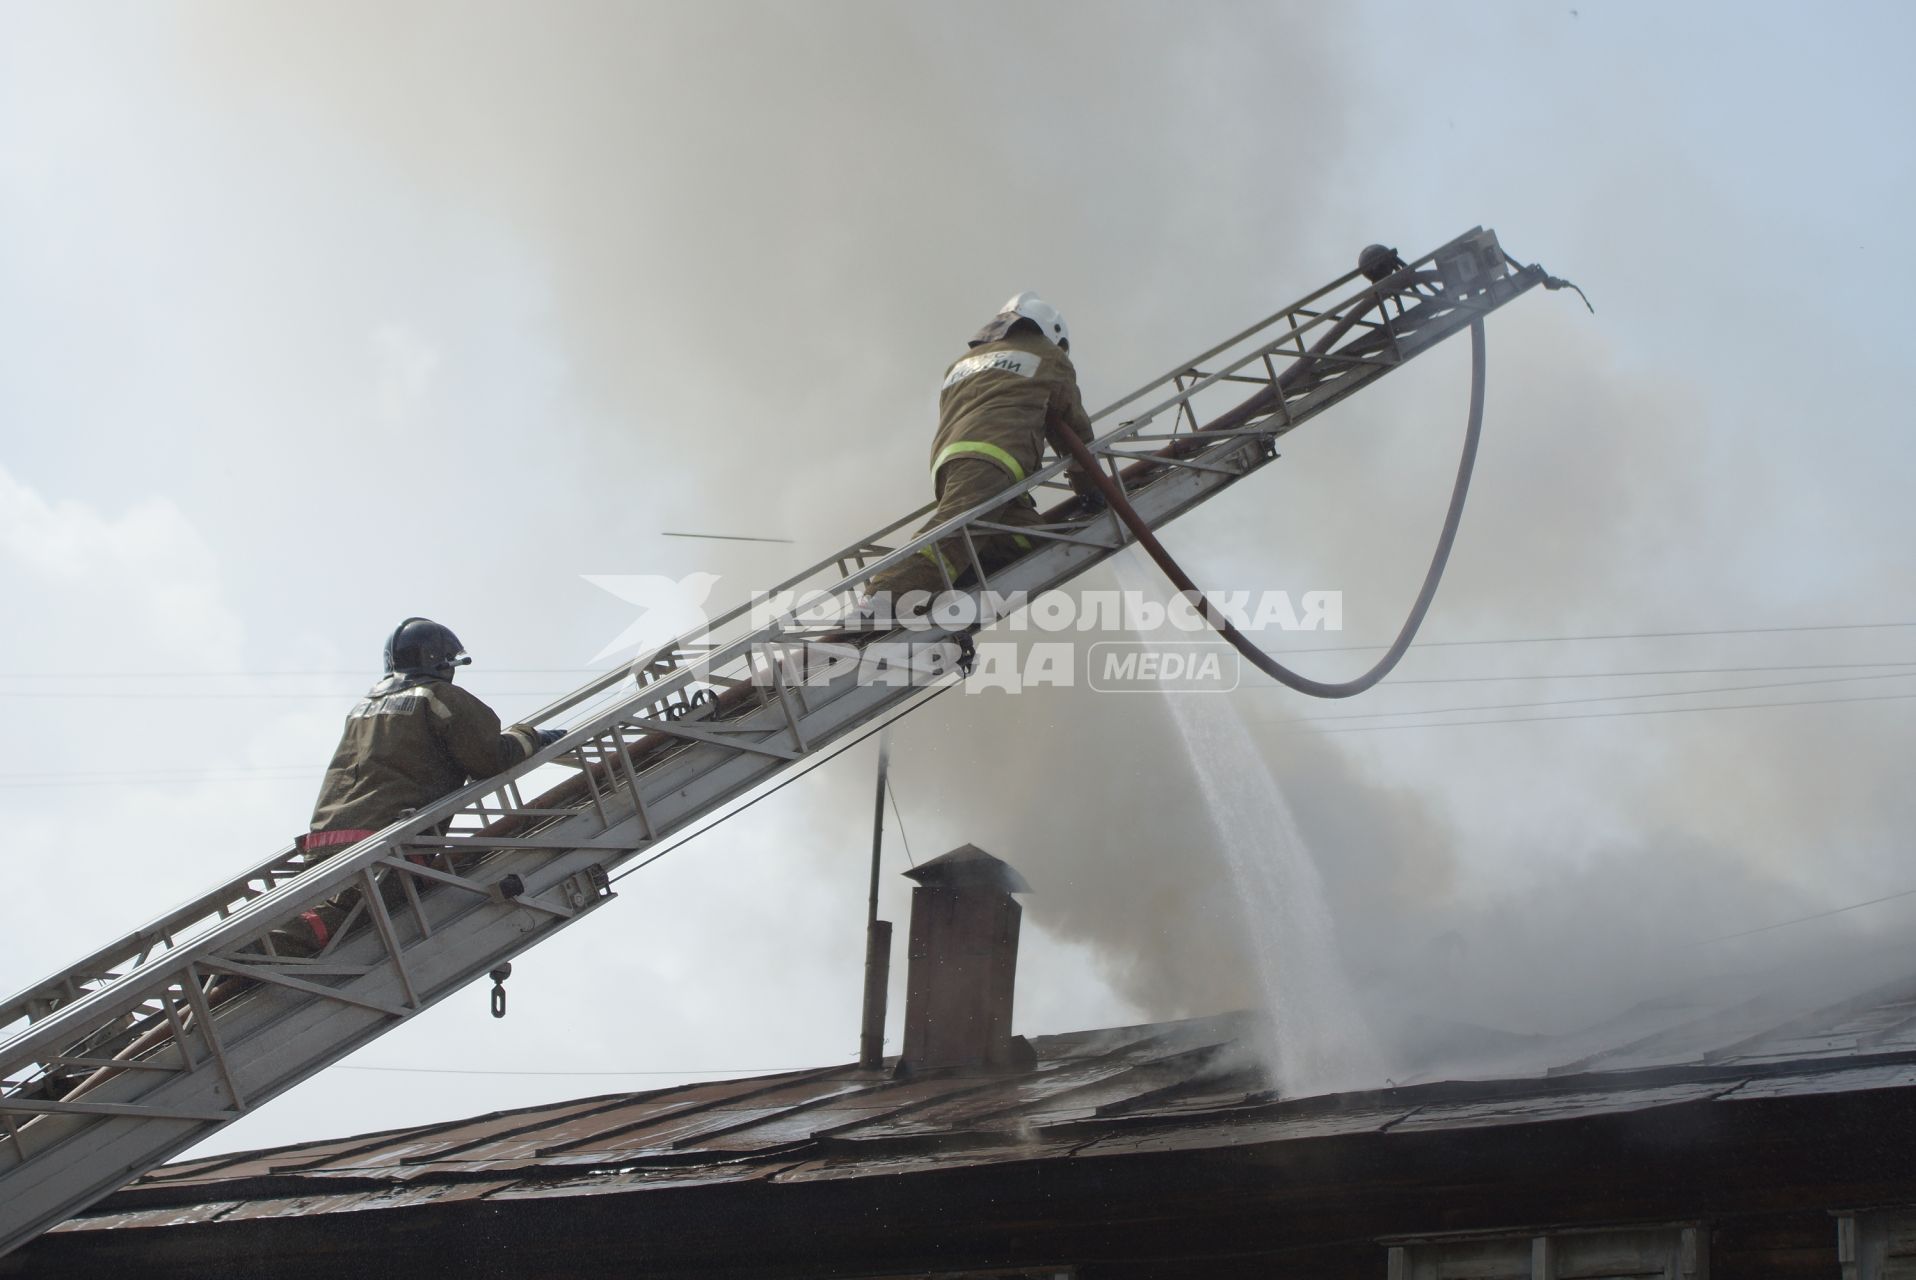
964,965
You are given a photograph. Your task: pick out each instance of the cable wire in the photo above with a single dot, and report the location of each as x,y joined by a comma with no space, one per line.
362,674
357,673
1621,635
294,774
1608,715
480,1071
1819,915
899,814
836,752
1667,671
1601,697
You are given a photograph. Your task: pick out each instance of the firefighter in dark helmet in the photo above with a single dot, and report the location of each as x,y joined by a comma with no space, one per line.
413,738
1000,405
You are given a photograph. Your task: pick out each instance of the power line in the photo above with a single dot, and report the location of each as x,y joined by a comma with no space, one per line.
899,814
221,696
1666,671
725,537
1601,697
1623,635
1833,911
344,695
165,773
478,1071
285,773
732,813
292,772
1606,715
360,673
83,779
140,780
1421,644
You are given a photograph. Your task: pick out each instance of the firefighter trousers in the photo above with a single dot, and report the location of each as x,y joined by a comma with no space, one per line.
962,483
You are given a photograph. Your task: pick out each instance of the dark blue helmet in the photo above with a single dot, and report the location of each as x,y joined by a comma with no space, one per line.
422,647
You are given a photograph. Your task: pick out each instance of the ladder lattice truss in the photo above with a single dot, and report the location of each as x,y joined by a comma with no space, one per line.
117,1063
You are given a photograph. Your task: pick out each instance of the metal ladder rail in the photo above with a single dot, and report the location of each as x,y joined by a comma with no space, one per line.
288,1025
109,964
112,962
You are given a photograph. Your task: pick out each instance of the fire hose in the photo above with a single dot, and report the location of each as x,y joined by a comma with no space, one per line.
1114,498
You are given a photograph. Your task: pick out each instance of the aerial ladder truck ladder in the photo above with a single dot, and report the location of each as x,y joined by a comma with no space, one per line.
115,1064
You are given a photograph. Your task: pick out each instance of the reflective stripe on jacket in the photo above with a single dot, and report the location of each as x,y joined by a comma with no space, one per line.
1003,400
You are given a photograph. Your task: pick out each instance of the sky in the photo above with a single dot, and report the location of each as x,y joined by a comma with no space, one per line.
317,317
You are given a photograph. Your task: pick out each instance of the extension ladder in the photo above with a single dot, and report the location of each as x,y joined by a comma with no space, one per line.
116,1063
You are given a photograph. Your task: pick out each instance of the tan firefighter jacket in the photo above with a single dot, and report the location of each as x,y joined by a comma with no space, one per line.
1003,400
409,742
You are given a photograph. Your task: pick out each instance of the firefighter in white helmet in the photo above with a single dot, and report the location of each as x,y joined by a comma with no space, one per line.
1001,404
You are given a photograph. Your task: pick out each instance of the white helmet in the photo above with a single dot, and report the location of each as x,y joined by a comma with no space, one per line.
1026,306
1041,313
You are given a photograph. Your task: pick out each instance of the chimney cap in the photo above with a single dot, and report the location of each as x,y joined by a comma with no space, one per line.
968,866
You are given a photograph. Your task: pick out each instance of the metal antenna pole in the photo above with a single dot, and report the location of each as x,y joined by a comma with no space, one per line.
871,1032
878,823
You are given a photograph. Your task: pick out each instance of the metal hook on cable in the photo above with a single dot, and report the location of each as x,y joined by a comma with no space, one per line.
499,977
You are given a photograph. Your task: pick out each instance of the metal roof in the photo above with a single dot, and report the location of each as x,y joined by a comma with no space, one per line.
1183,1086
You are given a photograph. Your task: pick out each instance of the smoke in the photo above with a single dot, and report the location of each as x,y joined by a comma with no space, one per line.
758,227
761,230
1508,877
436,310
750,301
